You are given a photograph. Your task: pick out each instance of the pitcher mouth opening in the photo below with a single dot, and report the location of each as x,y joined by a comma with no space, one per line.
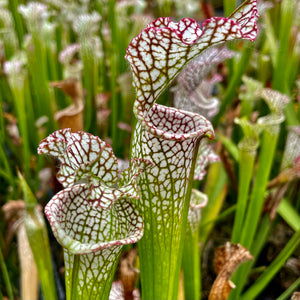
70,232
174,124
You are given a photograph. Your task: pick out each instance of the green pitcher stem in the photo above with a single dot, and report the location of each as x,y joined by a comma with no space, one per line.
186,211
159,256
246,164
79,287
268,147
160,249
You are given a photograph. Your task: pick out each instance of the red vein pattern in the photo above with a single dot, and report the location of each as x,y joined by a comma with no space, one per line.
82,155
92,218
163,188
87,158
161,50
96,234
168,136
83,228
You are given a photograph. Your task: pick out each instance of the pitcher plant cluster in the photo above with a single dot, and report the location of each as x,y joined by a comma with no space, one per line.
100,210
154,151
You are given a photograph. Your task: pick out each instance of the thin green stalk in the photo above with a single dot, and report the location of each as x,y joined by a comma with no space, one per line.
290,113
264,65
222,216
286,294
6,97
293,69
86,28
17,87
104,78
6,277
7,172
59,47
114,101
261,236
270,43
37,65
246,164
8,41
191,266
15,152
230,146
267,151
281,76
51,62
61,99
90,82
215,189
258,286
13,7
287,13
31,116
113,77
